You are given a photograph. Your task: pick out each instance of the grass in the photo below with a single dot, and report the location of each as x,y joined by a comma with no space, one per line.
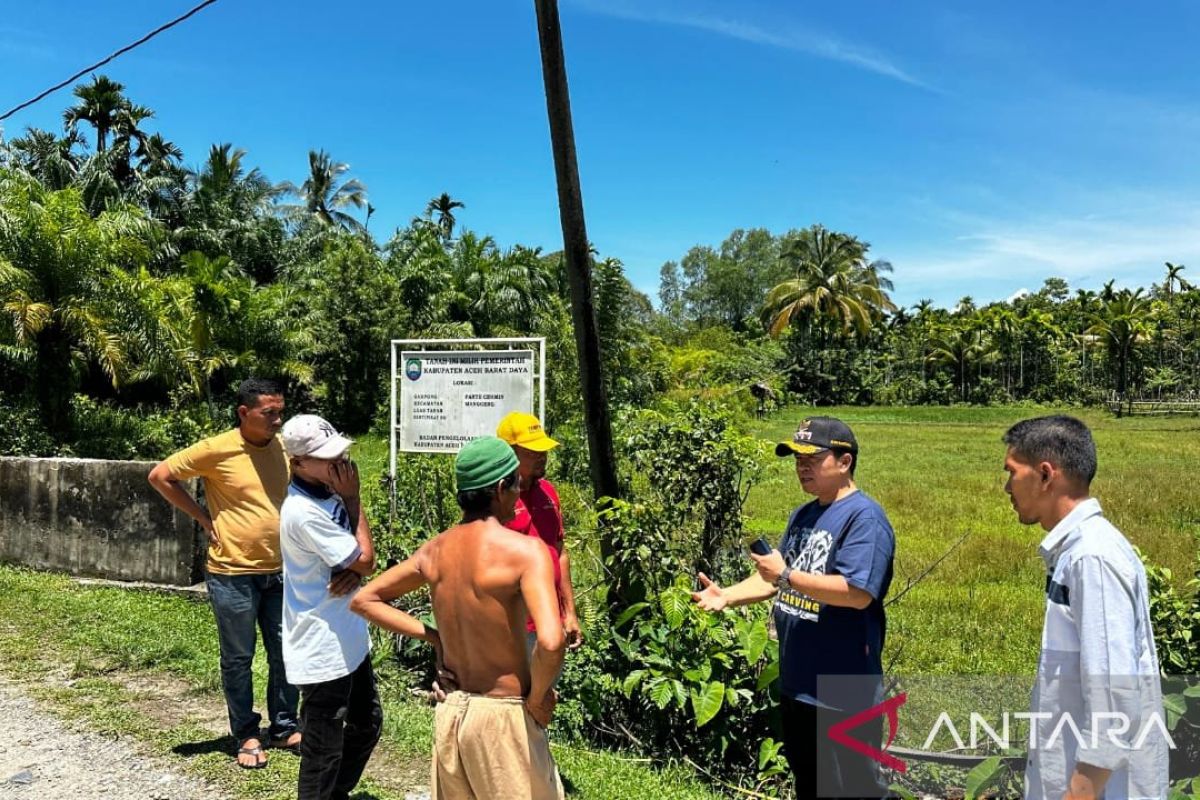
145,665
938,474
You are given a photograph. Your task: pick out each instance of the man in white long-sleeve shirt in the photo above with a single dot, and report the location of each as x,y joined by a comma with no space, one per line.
1099,727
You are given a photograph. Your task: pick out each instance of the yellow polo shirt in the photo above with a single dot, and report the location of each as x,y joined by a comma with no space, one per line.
244,487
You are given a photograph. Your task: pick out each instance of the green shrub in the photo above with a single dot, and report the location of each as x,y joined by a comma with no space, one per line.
102,430
22,432
1175,619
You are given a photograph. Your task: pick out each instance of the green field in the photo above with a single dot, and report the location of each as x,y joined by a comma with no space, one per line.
938,474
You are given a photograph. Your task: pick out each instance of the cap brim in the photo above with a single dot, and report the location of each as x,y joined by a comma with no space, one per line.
541,445
333,448
792,448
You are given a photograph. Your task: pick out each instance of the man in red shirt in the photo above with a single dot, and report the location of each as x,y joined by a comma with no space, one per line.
538,512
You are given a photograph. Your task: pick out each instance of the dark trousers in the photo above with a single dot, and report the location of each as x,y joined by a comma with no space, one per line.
341,720
243,605
820,766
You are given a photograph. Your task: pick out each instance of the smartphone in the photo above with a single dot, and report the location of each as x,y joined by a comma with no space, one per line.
761,547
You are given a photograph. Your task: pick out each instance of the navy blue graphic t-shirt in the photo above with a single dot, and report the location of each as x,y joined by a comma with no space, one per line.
850,537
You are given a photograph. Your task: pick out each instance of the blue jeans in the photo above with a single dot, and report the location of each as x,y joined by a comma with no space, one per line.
240,603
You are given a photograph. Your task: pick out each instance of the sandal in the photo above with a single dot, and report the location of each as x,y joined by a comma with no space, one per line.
260,759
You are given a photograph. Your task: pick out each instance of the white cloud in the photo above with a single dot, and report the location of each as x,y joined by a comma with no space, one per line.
1085,250
810,42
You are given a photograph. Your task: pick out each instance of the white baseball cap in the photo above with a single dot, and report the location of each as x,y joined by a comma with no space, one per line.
309,435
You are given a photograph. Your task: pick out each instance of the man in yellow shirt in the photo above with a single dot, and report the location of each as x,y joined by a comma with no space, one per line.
245,474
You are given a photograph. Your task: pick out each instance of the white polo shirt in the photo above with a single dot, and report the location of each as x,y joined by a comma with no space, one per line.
322,638
1098,666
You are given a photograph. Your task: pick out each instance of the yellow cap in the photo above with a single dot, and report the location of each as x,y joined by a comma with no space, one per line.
525,430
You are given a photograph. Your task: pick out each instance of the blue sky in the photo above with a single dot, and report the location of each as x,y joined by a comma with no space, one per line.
978,147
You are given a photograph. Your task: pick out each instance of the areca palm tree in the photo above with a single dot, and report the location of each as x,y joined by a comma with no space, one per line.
443,205
834,285
323,194
100,104
1174,280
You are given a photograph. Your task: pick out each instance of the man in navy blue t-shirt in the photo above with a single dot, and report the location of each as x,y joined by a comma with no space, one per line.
828,579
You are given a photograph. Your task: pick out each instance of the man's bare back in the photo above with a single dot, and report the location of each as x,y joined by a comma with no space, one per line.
490,730
484,579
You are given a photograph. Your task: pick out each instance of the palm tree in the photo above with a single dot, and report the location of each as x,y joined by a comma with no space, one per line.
56,264
100,104
1173,279
49,158
1121,324
443,205
960,348
834,285
323,197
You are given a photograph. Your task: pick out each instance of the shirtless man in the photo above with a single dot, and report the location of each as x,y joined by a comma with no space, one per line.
490,733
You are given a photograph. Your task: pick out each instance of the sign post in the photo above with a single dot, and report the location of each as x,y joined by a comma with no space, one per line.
444,396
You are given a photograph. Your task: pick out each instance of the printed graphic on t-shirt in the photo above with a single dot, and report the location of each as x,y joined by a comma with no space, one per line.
808,553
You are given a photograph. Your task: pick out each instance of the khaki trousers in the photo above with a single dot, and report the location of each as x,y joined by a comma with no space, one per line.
490,748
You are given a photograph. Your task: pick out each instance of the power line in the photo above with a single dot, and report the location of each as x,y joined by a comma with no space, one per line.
120,52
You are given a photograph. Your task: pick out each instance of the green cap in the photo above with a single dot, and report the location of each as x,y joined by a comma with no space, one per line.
483,462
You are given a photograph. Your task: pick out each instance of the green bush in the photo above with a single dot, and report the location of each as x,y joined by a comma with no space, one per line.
22,432
101,430
1175,619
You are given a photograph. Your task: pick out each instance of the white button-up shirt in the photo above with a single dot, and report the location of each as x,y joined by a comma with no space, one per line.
1098,667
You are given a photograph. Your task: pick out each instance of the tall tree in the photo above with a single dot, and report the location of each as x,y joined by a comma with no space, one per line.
324,194
1121,324
443,205
834,285
100,104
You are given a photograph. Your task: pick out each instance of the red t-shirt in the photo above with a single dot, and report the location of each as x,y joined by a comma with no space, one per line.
538,513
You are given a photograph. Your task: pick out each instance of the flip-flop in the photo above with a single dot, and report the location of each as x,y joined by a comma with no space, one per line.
251,751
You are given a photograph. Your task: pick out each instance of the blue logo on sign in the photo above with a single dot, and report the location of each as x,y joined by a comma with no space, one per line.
412,369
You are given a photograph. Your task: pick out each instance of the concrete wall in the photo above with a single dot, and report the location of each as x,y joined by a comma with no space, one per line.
95,518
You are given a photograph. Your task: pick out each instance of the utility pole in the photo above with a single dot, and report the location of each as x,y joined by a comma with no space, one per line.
577,256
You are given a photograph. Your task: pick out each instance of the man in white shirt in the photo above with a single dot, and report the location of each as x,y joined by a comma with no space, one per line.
327,547
1099,727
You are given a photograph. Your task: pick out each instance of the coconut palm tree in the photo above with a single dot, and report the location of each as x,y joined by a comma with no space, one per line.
1122,322
323,197
443,205
834,285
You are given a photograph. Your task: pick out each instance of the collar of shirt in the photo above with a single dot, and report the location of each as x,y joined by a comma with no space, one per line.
313,490
1056,540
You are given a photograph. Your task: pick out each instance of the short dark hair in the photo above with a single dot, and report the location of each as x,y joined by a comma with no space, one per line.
838,452
1059,439
476,501
251,389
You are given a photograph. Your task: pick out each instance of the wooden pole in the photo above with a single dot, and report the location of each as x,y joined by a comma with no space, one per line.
576,255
